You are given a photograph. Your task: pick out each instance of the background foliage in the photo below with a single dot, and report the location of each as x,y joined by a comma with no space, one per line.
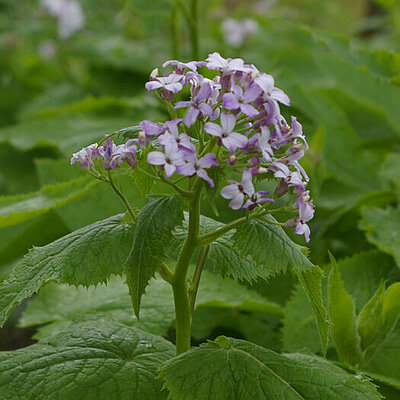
344,89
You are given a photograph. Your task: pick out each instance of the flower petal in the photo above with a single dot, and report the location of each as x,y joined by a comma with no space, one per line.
156,158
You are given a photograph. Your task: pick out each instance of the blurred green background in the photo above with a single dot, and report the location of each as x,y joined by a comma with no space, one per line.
337,60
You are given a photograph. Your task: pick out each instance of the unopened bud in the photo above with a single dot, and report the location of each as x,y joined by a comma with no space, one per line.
154,74
232,159
262,170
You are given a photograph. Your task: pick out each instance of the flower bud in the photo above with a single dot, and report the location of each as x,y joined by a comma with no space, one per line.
232,159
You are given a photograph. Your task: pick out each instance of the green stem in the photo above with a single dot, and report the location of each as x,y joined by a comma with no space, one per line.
196,277
121,196
179,287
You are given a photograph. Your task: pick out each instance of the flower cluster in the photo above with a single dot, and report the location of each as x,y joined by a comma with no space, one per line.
232,121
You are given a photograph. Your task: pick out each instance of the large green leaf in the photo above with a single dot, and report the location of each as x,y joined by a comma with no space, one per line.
237,254
342,313
93,360
50,311
84,257
153,234
269,245
311,282
232,369
382,229
16,209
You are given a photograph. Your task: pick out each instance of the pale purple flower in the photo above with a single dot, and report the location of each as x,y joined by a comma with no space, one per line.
85,156
241,100
231,140
180,66
170,159
265,143
106,151
257,198
172,136
306,213
171,83
267,84
198,106
124,152
237,191
226,66
195,166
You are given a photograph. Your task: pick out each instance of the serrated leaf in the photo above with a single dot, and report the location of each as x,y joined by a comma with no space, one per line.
92,360
382,229
386,360
369,320
232,369
311,282
389,315
113,302
85,257
391,307
342,314
17,209
153,233
269,245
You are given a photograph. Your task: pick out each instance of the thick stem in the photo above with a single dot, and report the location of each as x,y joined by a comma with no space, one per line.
179,287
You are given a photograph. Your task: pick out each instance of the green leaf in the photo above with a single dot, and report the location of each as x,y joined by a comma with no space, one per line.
110,301
113,302
269,245
16,209
343,317
155,224
385,361
311,282
382,229
369,320
232,369
85,257
226,258
389,315
361,275
94,360
391,307
300,331
234,254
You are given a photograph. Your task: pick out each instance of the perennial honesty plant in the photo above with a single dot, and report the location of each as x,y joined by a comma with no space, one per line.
232,122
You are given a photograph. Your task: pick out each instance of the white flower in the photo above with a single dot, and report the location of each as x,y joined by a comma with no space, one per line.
68,13
236,31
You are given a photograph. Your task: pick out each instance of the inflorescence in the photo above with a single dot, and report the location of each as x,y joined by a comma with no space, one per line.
233,121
